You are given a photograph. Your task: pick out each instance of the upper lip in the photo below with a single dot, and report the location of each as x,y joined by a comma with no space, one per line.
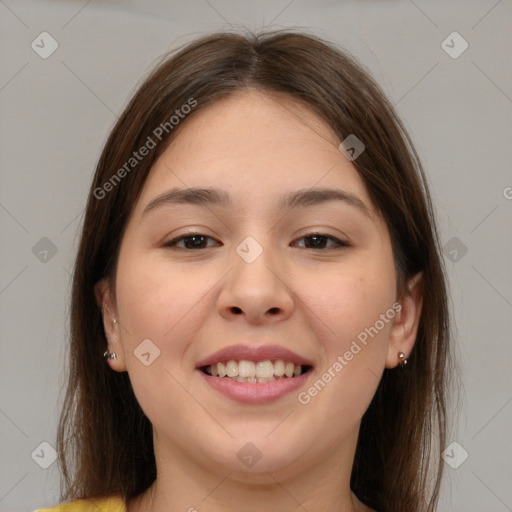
249,353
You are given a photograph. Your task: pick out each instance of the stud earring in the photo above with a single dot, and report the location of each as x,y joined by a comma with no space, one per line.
109,355
402,359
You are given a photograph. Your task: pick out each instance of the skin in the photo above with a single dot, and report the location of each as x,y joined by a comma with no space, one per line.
312,301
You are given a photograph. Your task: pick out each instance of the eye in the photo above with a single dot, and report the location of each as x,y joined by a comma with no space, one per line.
191,241
318,240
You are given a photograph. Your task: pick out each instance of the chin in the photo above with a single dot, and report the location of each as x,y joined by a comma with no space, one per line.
251,457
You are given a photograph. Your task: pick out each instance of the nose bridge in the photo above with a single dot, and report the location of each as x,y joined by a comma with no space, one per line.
250,250
254,261
255,286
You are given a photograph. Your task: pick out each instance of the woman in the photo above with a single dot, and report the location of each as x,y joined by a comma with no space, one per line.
259,312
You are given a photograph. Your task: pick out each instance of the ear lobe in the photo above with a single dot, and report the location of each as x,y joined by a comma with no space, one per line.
403,332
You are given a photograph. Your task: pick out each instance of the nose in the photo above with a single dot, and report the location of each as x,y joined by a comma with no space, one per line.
258,290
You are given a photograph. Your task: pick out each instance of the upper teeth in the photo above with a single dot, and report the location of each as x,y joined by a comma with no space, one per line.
251,370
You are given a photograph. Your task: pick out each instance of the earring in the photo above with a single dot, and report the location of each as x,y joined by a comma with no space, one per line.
114,321
403,360
109,355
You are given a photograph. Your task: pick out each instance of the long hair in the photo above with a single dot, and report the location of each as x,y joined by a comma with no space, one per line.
104,438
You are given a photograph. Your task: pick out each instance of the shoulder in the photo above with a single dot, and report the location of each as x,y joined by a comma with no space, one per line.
112,504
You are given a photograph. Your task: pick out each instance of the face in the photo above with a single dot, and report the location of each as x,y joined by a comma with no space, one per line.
259,284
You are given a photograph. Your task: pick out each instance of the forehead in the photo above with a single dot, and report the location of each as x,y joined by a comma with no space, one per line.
256,146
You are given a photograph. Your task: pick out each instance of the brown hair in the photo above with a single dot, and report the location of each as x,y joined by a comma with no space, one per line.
105,440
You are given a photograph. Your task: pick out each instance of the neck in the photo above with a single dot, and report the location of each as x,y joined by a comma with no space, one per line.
193,486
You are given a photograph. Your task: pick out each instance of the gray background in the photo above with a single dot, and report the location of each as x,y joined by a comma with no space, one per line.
56,114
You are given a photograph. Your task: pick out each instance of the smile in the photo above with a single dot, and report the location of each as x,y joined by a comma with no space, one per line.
255,372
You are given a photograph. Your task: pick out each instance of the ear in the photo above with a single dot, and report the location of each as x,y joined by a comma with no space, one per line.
105,300
404,329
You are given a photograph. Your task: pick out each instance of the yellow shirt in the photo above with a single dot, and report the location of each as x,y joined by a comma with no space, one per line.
113,504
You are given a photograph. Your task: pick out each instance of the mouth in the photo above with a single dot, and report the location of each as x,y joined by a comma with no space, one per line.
255,372
255,375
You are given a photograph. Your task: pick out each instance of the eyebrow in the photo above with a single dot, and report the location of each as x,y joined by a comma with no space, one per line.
213,197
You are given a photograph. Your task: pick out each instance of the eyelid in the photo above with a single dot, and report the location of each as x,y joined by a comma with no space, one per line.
172,243
340,244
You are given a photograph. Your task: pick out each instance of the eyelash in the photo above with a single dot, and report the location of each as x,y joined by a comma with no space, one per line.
339,243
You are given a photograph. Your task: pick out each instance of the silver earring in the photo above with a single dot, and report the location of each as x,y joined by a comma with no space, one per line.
114,320
402,359
109,355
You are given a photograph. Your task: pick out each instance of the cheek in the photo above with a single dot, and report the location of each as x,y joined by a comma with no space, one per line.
162,305
356,306
158,302
154,296
351,299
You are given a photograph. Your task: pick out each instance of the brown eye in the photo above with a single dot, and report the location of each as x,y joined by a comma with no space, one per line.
317,241
191,242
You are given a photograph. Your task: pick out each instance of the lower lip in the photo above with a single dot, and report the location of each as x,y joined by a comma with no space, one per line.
256,393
